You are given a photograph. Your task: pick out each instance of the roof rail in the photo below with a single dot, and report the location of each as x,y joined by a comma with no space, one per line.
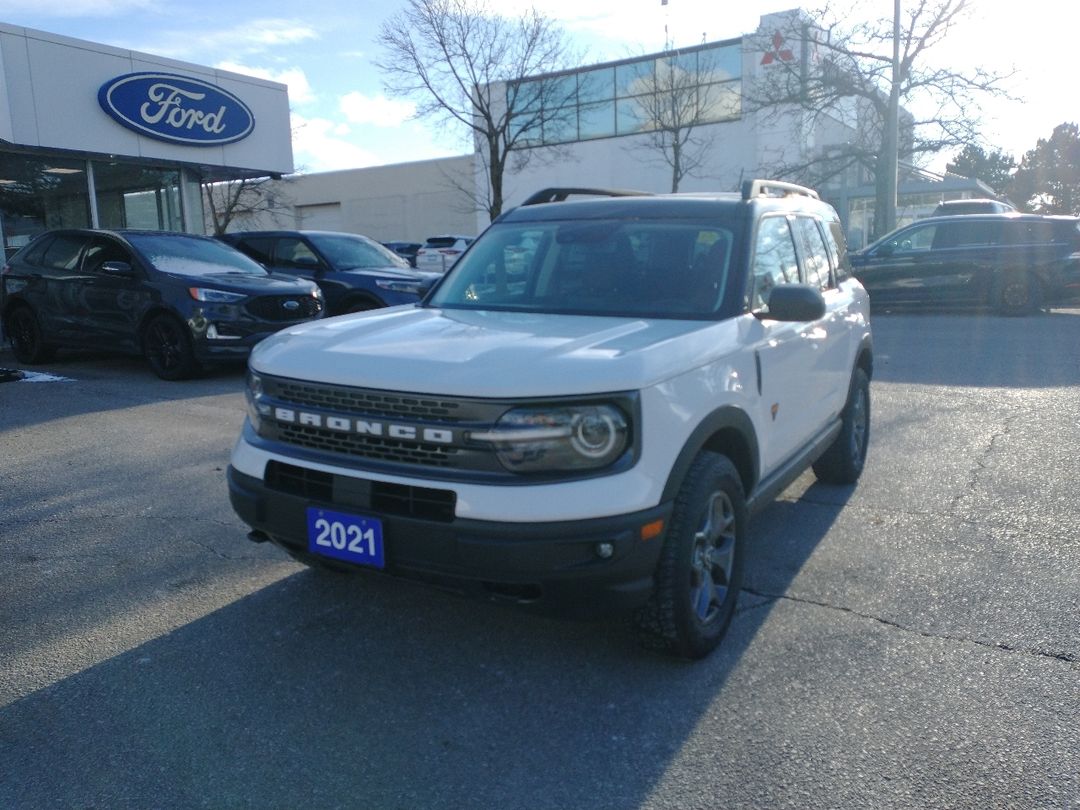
558,194
761,188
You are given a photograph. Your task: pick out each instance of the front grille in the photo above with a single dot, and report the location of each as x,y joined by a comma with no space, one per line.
273,307
369,403
417,412
373,447
349,493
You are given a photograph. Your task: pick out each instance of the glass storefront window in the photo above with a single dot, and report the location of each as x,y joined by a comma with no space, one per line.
130,196
38,194
596,85
634,78
596,120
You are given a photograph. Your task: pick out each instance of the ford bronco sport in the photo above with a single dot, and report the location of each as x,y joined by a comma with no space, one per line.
581,415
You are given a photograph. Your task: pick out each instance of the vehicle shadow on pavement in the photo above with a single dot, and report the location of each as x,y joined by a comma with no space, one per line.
327,690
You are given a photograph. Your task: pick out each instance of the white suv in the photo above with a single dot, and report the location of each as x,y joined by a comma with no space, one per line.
581,415
439,253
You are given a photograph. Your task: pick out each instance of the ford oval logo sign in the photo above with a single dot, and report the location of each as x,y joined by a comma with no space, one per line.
176,109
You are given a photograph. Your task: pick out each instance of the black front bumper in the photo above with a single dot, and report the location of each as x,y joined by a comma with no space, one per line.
554,567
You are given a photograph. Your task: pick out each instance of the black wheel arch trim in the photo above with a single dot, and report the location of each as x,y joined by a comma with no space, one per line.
726,424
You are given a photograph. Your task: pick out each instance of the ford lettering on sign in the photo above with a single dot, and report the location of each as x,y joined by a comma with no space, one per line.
177,109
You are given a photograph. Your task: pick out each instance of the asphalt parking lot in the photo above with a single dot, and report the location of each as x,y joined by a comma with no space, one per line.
913,641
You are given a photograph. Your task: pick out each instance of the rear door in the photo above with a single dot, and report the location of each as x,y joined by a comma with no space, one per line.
829,336
60,287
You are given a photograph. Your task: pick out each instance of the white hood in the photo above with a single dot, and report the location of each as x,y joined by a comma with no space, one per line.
490,354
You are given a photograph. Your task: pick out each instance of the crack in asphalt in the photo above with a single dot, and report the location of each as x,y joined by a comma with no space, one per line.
1069,658
981,465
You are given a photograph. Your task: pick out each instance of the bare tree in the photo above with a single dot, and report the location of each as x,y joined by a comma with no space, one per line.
844,73
229,200
466,65
673,107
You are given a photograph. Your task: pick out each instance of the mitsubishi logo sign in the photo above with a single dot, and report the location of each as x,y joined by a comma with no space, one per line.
778,53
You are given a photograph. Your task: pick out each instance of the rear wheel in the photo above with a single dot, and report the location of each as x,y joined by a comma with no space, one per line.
843,462
26,338
167,346
1020,294
700,570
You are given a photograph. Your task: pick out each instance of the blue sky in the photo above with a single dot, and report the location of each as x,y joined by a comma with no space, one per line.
342,118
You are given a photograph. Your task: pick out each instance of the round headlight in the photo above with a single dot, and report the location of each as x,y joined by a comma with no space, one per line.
558,438
594,434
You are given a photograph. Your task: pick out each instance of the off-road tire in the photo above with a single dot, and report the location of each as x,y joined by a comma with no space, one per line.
699,574
843,462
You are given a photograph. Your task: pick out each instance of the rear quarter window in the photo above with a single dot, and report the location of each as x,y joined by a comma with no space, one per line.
63,252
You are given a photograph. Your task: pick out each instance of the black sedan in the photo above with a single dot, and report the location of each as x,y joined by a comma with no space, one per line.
180,300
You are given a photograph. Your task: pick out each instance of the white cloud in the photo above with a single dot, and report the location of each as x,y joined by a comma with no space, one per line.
318,148
379,110
300,91
250,37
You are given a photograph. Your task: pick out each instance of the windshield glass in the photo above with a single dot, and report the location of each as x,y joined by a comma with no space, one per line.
345,252
192,255
657,269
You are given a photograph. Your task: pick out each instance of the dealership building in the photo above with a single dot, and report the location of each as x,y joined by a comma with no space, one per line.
599,136
96,136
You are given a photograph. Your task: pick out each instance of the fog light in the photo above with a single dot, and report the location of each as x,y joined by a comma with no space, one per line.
605,550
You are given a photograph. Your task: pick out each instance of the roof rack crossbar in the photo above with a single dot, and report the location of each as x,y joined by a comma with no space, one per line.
761,188
559,194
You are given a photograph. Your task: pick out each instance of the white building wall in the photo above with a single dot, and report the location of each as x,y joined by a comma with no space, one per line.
406,201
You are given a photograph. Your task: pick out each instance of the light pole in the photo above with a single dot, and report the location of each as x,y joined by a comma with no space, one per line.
887,220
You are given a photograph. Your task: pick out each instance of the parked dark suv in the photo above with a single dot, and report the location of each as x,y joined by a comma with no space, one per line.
1014,263
354,272
179,299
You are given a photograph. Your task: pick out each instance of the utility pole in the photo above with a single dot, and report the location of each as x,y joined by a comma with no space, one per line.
887,220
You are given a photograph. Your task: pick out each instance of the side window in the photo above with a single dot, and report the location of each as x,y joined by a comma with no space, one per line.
834,237
295,254
913,240
774,260
101,251
815,254
63,252
969,233
259,248
35,253
1026,232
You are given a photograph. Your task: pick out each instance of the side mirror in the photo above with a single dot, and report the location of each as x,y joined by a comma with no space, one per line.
795,302
117,269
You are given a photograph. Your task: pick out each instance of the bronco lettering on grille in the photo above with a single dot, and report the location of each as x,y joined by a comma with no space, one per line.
364,427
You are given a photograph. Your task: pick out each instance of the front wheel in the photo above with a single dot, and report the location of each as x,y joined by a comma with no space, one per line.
700,570
167,346
843,462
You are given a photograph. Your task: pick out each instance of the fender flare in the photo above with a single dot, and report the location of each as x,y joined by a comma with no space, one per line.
738,427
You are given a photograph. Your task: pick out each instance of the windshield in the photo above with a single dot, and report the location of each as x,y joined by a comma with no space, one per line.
192,255
657,269
346,252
